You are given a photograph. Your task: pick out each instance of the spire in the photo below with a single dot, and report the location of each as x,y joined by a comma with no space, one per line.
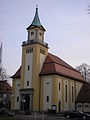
36,21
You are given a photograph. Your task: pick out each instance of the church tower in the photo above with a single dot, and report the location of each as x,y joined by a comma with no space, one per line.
34,52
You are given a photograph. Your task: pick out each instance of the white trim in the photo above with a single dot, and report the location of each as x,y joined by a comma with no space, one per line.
47,91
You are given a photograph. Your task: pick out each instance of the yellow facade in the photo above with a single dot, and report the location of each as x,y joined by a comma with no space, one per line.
75,89
41,93
35,84
35,75
23,68
55,90
62,94
54,100
69,94
35,71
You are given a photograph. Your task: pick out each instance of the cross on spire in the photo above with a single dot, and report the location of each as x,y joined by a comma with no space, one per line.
36,6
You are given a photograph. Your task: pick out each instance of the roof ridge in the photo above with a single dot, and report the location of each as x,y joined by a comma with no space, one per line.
61,60
62,65
17,74
68,66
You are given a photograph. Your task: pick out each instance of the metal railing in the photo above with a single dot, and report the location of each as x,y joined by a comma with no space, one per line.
34,41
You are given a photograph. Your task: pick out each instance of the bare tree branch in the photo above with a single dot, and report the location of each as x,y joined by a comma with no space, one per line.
84,69
2,70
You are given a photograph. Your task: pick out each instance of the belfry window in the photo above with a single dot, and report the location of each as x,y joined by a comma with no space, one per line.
32,33
40,34
42,51
29,50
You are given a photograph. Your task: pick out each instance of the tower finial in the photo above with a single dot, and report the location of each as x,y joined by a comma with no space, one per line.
36,21
36,6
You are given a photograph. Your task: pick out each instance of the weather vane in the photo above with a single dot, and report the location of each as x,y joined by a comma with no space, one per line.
36,3
36,6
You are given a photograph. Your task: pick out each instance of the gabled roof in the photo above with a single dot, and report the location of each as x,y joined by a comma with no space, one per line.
55,65
84,94
36,21
5,87
17,74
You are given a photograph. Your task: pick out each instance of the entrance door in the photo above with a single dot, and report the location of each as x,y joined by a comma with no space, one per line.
27,102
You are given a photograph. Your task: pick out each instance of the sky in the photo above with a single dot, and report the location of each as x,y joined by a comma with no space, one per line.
67,25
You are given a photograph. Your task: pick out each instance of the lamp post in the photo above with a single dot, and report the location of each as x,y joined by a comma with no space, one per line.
23,101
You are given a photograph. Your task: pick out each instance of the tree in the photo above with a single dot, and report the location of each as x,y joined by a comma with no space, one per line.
88,9
84,69
2,70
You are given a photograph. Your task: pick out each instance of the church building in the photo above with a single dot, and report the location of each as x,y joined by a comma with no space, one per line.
43,79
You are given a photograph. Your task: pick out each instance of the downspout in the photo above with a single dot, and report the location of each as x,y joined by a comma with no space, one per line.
39,91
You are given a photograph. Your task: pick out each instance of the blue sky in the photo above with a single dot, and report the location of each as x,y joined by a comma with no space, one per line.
67,27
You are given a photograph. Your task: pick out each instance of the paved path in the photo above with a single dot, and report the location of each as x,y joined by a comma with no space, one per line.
40,117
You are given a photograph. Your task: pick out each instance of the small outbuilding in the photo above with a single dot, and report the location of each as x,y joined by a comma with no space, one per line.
5,94
83,98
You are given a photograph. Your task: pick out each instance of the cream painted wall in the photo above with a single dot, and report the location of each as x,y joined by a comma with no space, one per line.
79,106
42,59
47,91
79,85
17,94
40,37
40,34
28,73
31,37
60,93
86,107
73,102
66,104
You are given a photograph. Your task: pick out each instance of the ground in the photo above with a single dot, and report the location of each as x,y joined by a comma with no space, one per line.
36,116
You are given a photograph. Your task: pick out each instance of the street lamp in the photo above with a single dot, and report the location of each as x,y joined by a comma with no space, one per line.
23,101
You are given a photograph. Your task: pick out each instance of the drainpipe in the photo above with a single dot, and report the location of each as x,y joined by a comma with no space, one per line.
39,91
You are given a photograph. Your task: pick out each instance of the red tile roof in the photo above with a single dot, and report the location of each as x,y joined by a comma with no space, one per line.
55,65
5,87
17,74
84,94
